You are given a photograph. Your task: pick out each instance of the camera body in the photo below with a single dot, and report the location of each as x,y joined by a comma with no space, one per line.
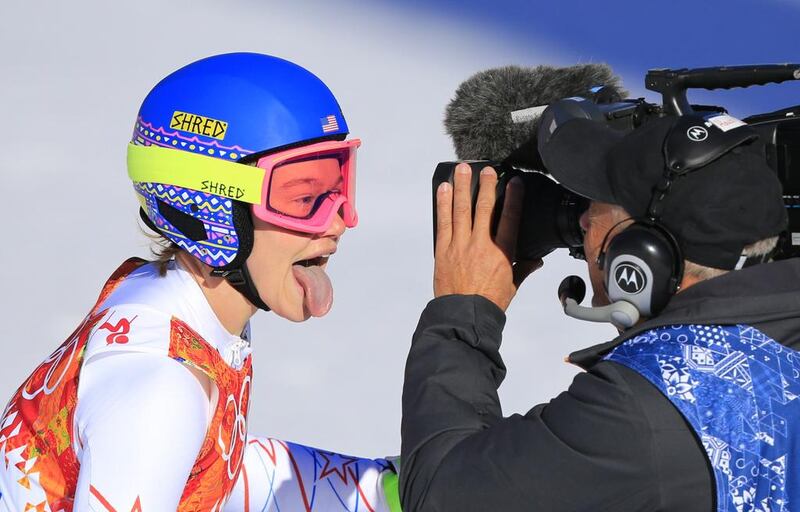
551,213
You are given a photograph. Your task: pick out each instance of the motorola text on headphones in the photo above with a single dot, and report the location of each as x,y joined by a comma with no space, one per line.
504,117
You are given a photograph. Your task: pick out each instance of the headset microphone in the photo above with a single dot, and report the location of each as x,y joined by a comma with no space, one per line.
571,292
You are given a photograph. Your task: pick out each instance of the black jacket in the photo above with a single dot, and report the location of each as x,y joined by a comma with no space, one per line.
612,441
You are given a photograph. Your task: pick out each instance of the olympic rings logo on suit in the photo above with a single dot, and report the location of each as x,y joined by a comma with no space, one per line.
238,429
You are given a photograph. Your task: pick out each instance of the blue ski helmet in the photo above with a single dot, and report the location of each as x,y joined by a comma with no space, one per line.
234,108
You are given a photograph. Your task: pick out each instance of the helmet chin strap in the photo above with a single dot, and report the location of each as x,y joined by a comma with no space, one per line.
241,280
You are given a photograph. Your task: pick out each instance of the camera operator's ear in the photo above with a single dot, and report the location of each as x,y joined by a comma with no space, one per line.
694,141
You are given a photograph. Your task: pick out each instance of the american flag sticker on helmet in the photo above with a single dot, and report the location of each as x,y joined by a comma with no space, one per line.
329,124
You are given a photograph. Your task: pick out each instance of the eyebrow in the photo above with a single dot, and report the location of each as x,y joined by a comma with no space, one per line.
300,181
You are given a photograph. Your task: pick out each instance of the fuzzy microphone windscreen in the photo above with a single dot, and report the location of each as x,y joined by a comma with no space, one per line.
479,118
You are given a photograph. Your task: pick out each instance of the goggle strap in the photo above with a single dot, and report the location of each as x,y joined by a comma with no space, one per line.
154,164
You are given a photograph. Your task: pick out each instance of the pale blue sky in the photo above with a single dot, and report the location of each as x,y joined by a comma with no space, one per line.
74,75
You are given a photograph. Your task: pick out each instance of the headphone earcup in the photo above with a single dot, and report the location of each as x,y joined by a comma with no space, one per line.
243,224
644,267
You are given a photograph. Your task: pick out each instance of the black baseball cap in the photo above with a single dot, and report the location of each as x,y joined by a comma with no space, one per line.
723,196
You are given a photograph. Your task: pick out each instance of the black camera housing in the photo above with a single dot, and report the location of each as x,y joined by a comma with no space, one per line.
550,213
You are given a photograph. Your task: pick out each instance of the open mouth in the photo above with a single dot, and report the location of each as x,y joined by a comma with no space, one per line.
319,261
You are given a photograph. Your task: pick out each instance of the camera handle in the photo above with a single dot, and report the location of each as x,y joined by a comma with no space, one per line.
673,83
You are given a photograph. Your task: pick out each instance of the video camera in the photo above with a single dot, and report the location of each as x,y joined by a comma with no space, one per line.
551,213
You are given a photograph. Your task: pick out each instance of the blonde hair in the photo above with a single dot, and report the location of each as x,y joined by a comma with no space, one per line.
162,249
164,252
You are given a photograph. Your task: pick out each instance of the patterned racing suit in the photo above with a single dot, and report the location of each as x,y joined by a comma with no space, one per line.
144,408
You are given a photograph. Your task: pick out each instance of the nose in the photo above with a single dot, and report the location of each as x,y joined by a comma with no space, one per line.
337,227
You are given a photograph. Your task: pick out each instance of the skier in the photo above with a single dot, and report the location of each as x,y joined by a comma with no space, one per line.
241,163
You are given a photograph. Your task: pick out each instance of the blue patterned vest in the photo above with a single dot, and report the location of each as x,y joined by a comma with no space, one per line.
740,391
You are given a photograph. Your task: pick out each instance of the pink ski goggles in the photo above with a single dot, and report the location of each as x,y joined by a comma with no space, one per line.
304,188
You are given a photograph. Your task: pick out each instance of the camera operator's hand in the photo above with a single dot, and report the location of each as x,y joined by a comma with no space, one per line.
468,261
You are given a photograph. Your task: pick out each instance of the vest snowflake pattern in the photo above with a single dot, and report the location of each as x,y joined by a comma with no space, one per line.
37,427
36,437
740,392
217,467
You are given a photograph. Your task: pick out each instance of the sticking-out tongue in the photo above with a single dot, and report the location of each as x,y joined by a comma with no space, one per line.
317,287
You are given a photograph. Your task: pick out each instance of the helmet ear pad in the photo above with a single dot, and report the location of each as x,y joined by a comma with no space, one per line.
243,224
236,272
644,266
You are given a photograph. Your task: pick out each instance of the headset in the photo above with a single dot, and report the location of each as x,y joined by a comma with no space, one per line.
643,265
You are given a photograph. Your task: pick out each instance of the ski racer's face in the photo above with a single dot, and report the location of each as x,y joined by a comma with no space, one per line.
288,267
596,222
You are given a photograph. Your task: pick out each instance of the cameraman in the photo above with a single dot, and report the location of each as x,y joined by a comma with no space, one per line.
695,407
